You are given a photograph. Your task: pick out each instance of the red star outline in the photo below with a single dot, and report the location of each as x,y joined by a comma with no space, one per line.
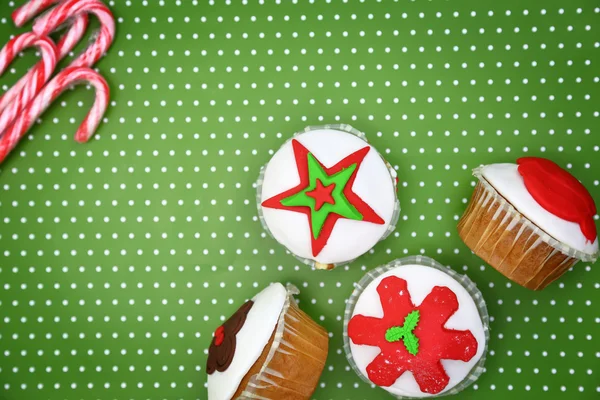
301,156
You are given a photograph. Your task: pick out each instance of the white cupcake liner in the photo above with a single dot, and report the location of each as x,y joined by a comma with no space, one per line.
512,212
339,127
268,374
259,380
464,280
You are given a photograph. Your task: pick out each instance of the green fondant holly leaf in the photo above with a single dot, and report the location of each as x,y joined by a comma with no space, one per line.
405,332
411,320
411,342
394,334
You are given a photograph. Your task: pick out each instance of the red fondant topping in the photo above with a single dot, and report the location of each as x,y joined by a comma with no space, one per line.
322,194
559,193
219,336
435,341
301,153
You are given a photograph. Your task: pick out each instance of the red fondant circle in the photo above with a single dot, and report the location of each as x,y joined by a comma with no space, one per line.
219,336
559,193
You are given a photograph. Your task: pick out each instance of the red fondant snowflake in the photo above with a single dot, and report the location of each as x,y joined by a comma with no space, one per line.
435,342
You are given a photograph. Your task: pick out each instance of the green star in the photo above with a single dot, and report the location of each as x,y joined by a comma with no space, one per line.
321,198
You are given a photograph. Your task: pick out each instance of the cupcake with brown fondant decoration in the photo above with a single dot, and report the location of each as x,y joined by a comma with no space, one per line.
268,349
531,221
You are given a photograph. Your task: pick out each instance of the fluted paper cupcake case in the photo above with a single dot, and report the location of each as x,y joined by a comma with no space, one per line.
338,127
492,228
464,280
295,360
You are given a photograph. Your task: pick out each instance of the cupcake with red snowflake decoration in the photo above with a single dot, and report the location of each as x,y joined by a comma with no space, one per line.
416,329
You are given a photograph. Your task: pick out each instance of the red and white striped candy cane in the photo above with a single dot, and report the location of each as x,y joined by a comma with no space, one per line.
70,8
75,32
30,9
36,77
66,43
49,93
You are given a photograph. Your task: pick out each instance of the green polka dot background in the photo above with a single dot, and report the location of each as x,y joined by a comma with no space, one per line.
119,257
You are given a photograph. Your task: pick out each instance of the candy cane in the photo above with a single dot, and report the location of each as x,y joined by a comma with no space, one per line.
69,8
30,9
36,77
49,93
66,43
74,33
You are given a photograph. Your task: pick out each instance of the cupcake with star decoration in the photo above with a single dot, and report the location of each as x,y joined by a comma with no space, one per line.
416,329
268,349
532,221
328,196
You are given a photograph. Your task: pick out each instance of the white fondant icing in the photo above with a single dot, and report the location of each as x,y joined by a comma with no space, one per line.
421,280
509,183
251,341
349,239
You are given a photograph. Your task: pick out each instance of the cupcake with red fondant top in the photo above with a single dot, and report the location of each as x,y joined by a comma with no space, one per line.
531,221
416,329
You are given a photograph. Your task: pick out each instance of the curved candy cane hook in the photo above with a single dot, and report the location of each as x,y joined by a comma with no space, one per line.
70,8
36,77
49,93
66,43
24,41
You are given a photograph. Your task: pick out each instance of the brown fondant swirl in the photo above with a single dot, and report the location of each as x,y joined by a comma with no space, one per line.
221,355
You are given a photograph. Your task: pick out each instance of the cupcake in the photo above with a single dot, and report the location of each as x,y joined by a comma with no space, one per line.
416,329
268,349
328,196
531,221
